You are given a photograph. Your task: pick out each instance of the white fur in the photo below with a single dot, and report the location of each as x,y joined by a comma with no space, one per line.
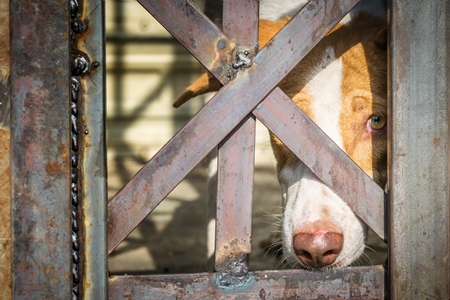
325,89
275,10
278,9
306,199
305,196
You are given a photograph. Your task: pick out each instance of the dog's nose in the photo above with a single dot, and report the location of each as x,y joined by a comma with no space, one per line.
318,246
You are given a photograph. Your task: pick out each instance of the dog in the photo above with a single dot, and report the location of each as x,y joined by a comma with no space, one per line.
342,86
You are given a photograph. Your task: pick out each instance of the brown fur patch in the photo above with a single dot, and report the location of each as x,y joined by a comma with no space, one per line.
364,92
362,48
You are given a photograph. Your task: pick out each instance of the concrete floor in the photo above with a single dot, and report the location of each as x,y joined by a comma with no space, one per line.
172,239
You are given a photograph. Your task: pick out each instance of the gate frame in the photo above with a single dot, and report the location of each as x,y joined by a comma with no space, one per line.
37,198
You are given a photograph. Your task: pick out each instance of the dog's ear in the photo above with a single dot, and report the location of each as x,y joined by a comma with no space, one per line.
204,84
381,39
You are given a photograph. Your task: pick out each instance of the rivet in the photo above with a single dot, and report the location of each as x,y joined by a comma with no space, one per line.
221,44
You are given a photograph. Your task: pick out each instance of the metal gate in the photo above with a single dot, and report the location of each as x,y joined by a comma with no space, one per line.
60,233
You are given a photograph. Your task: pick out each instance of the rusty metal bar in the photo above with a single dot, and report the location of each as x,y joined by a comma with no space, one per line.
93,191
240,22
332,165
40,148
195,31
219,116
236,155
419,169
235,196
348,283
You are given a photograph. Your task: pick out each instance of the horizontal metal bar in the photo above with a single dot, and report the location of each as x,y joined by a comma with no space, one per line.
219,116
348,283
332,165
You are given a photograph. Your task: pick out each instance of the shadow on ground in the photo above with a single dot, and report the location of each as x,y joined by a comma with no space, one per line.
173,238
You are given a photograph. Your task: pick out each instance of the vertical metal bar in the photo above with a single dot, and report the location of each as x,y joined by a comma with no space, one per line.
235,195
93,155
240,22
40,148
419,187
236,154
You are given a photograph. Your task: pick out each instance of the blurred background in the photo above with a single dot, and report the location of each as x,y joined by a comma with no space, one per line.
146,70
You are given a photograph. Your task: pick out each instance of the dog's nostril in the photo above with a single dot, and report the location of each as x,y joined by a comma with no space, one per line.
305,254
330,252
318,250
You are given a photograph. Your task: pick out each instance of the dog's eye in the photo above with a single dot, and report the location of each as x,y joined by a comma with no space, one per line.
376,123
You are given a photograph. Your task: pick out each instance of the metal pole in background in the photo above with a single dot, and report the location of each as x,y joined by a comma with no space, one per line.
419,187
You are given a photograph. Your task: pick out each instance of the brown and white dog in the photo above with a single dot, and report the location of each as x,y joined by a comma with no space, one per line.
341,85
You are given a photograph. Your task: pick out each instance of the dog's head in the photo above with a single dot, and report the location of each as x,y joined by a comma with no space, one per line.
341,85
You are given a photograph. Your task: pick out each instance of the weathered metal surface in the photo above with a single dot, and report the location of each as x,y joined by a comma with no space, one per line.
419,187
93,191
235,196
278,113
40,147
194,31
349,283
236,160
219,116
240,22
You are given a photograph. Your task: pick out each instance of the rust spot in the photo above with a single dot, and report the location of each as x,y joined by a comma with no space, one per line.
64,154
51,168
47,271
437,141
53,280
228,253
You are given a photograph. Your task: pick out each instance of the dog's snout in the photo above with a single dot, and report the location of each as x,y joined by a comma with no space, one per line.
319,245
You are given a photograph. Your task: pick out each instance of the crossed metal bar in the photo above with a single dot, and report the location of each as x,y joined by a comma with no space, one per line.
238,99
